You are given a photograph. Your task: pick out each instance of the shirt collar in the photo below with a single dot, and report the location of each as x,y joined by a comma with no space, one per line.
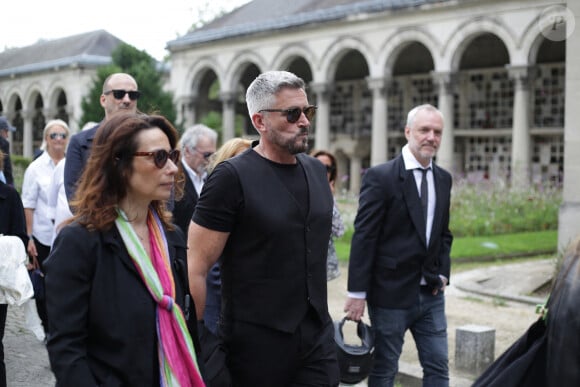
410,160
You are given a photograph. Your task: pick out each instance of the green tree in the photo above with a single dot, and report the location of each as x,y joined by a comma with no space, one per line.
149,76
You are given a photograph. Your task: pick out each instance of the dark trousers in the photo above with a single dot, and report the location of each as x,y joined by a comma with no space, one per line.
40,301
259,356
3,312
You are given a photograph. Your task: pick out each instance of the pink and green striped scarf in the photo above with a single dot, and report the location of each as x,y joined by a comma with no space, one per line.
177,359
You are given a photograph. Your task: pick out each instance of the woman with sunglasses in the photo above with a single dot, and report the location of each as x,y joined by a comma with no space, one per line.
329,161
116,279
35,187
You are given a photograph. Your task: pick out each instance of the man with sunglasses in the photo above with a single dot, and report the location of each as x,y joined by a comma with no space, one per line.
269,211
120,93
197,144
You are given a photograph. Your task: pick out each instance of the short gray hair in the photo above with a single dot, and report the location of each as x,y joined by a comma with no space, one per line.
191,136
413,113
261,93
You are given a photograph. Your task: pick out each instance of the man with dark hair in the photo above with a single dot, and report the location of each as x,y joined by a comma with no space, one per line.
5,127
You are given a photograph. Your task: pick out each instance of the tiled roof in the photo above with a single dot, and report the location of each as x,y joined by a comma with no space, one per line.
266,15
89,49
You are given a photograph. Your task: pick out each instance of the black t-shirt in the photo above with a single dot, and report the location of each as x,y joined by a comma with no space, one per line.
221,198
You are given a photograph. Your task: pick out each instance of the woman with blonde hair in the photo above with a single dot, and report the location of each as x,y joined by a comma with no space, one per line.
35,192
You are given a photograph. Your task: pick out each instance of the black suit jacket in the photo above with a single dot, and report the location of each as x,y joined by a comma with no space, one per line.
183,209
101,315
389,253
77,154
12,213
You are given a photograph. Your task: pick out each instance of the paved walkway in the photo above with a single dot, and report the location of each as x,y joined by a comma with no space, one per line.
498,297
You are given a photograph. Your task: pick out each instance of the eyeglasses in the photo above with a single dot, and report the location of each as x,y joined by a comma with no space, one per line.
293,114
120,94
161,156
206,155
54,136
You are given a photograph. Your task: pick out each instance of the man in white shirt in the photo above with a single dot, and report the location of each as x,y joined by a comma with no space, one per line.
198,144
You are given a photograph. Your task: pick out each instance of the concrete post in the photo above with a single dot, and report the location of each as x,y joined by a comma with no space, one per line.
474,348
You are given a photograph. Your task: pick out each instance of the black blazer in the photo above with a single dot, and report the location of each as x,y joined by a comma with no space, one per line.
12,213
389,251
77,154
183,209
101,316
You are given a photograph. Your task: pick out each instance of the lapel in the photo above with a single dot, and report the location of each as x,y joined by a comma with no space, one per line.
189,187
411,197
439,201
113,240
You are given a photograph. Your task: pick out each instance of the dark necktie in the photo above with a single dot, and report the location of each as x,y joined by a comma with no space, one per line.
424,193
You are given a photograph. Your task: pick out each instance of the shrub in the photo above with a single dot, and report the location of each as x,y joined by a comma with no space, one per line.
486,208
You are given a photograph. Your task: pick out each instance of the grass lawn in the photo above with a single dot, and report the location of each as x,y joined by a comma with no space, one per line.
488,247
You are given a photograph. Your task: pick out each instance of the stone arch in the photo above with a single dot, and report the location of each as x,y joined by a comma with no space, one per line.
335,53
238,66
398,41
460,39
196,73
287,54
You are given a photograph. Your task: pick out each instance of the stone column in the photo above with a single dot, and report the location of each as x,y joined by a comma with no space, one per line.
379,137
186,110
228,99
521,141
322,128
27,116
569,226
355,173
445,81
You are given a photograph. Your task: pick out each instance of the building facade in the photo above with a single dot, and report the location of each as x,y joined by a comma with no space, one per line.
49,80
489,65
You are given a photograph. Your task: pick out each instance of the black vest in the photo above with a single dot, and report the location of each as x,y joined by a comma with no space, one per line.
274,263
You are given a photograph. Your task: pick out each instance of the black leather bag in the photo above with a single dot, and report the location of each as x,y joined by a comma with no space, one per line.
213,353
522,364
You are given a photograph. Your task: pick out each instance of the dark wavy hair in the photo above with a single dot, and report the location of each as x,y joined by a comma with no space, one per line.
333,170
104,181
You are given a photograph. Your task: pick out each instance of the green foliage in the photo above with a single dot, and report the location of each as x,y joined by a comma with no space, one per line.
491,208
19,165
485,215
505,244
149,77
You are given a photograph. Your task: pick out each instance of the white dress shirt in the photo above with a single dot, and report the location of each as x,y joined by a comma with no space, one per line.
59,210
37,178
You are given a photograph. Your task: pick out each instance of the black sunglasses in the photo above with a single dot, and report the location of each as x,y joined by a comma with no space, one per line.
330,168
293,114
206,155
57,135
120,94
161,156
